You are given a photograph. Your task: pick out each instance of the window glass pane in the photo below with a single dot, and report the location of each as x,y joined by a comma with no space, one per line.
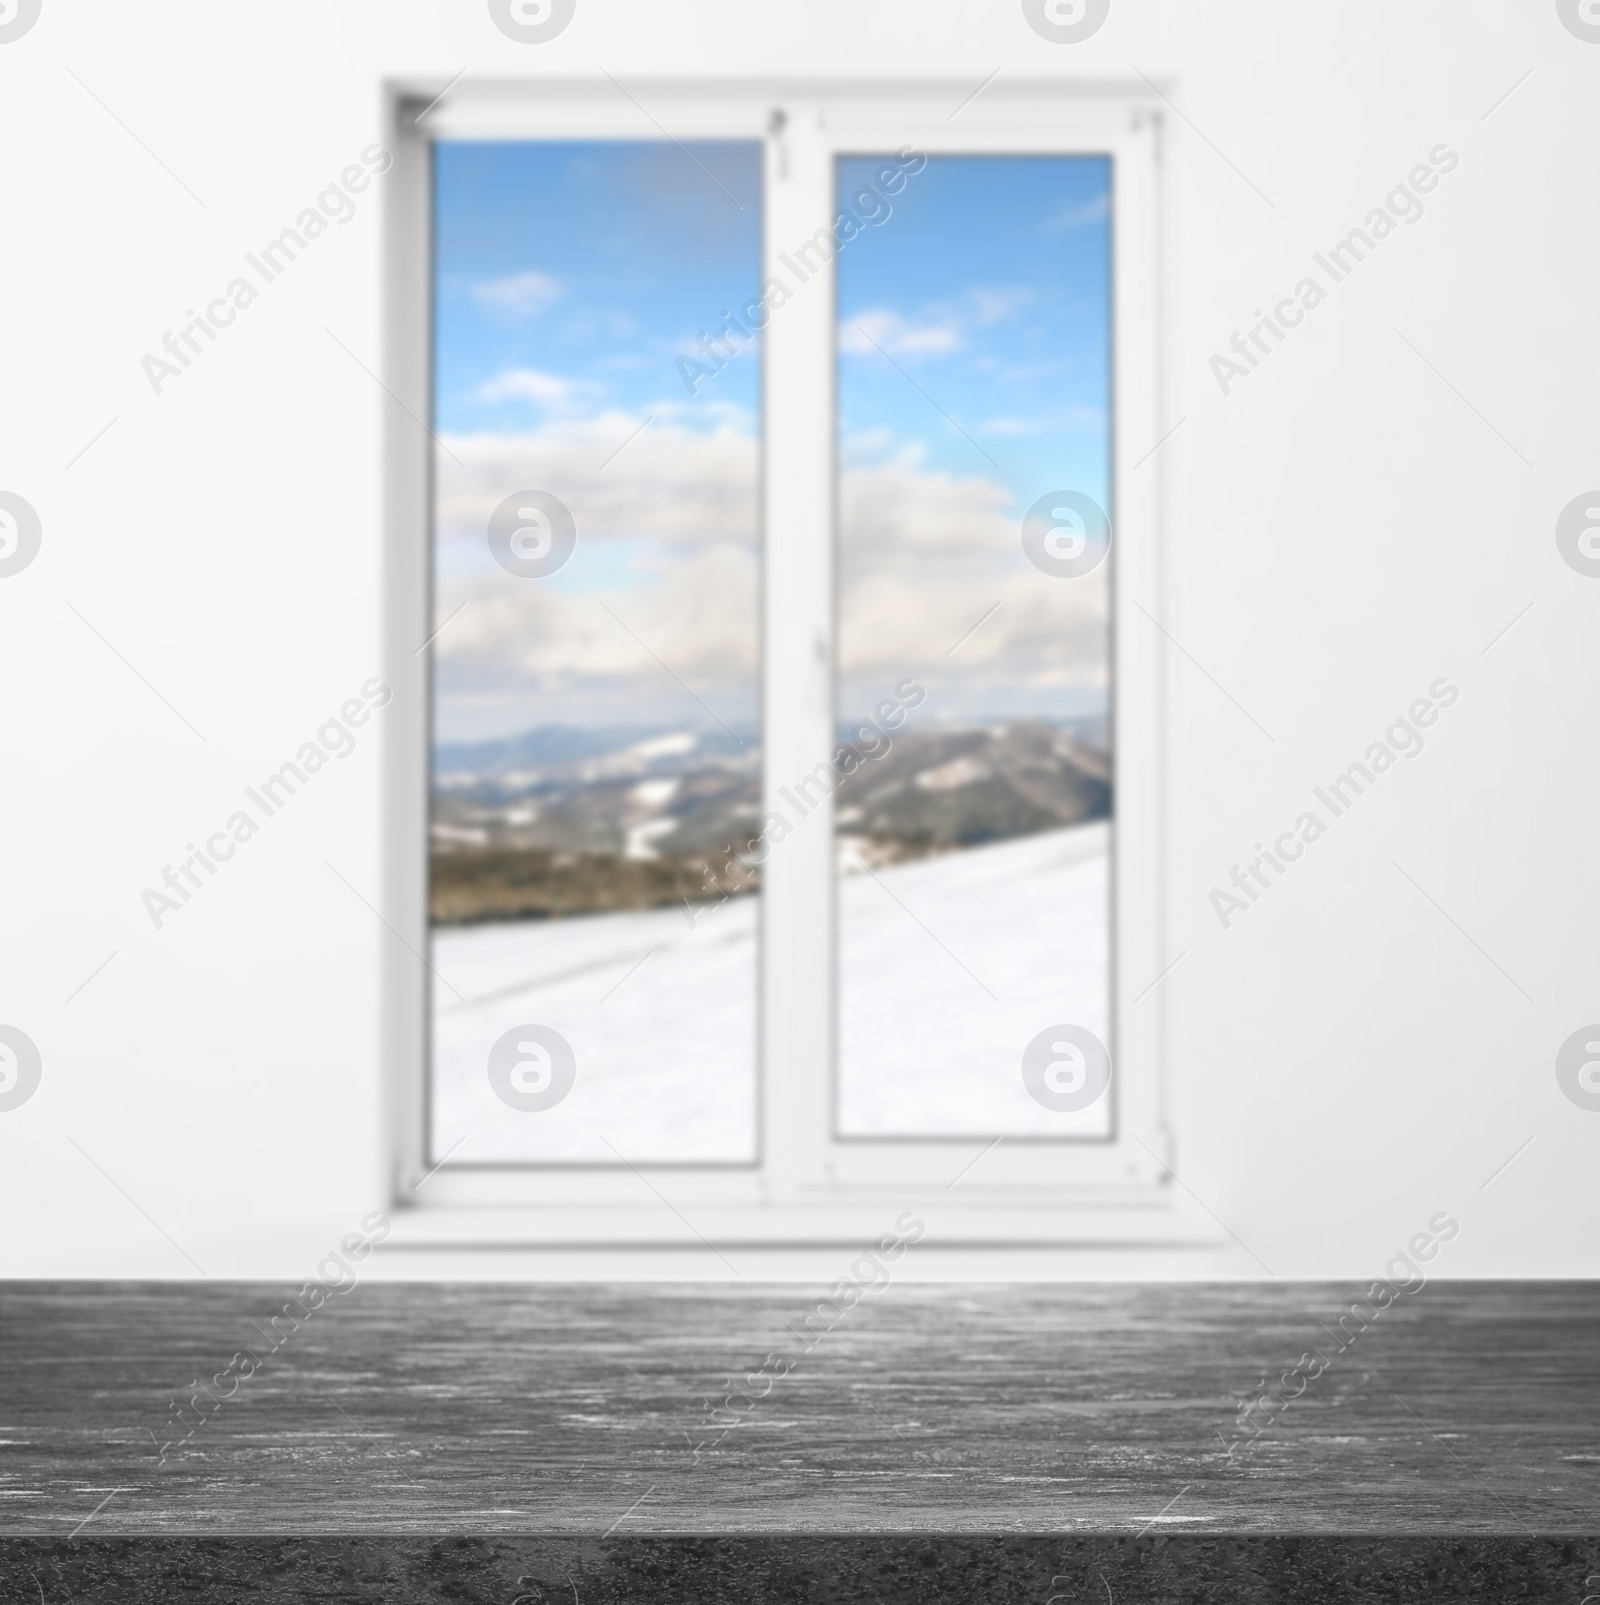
595,686
973,809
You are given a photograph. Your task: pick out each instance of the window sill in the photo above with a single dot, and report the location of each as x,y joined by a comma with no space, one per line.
1148,1217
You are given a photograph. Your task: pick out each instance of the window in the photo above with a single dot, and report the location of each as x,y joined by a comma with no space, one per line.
596,684
973,835
778,816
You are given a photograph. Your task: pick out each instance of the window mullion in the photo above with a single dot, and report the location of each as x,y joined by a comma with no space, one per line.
797,873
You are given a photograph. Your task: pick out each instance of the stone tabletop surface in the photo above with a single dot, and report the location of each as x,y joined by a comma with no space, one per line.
1119,1411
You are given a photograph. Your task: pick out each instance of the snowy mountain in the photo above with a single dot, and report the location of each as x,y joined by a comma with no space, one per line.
560,821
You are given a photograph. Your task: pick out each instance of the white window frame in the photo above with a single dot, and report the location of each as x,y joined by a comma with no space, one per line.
807,1186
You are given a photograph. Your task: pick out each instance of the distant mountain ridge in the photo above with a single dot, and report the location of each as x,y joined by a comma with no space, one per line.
546,746
936,790
560,820
556,746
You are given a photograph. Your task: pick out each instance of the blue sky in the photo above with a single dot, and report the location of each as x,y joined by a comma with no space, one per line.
593,263
570,278
996,271
974,371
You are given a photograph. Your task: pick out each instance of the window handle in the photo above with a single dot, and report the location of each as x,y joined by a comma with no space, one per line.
776,123
822,658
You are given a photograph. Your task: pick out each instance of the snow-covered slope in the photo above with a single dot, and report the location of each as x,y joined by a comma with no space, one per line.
948,968
666,1054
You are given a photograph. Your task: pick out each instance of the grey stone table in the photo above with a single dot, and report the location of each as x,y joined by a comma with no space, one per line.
1025,1443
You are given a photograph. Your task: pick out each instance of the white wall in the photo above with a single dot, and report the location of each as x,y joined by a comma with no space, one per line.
1343,528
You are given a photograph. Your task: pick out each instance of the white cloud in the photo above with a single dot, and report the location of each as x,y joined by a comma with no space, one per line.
1073,420
923,555
669,483
899,507
519,295
527,384
700,618
933,332
995,306
1077,216
868,331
